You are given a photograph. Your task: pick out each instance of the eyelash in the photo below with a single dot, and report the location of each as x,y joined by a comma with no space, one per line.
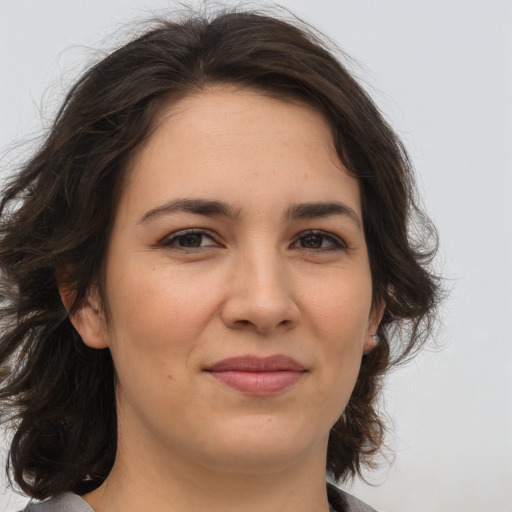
169,241
338,243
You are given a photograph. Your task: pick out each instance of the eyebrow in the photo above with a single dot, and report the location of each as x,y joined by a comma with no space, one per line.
198,206
322,209
212,208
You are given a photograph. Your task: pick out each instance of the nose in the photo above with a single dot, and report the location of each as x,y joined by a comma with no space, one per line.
259,296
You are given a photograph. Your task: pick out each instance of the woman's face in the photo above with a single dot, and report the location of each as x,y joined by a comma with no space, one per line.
238,285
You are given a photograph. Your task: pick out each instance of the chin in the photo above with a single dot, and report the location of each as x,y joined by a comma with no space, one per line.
265,447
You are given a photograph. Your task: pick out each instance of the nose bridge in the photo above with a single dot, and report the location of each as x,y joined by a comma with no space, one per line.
260,295
264,275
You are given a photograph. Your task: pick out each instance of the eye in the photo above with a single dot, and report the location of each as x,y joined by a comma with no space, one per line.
319,240
189,239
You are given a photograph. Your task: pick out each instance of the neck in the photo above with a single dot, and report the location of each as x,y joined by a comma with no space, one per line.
154,483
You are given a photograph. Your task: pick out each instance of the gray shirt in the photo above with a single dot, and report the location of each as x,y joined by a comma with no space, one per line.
68,502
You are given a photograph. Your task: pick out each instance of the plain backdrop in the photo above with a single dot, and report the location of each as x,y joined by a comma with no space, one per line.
441,71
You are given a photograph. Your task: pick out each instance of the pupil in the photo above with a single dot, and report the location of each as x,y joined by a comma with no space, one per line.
190,240
312,242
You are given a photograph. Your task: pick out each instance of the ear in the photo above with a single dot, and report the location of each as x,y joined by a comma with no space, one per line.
372,340
88,320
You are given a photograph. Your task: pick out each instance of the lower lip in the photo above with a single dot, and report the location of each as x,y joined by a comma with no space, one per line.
258,383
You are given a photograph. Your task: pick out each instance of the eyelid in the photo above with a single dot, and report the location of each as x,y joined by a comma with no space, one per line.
338,242
168,240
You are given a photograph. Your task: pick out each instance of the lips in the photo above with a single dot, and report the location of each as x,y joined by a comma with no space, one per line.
257,364
258,376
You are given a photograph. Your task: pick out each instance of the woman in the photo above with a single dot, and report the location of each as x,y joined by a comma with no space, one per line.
207,272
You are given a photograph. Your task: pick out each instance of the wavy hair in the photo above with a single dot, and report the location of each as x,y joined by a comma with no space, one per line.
57,212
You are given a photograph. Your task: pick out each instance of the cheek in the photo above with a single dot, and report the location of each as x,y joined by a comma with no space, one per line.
156,316
156,328
341,308
340,322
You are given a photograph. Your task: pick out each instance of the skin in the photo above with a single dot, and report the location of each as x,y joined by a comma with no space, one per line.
257,282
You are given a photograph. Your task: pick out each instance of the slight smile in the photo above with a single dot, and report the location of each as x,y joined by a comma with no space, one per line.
258,376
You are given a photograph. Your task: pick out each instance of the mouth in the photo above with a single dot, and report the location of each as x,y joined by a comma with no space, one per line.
258,376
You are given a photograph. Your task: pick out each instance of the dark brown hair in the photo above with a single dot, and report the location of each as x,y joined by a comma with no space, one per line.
57,213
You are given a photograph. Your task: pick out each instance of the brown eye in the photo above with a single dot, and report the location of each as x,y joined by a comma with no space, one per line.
319,240
311,242
189,240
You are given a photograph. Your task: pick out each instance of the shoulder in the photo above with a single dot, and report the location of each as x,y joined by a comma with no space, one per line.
344,502
66,502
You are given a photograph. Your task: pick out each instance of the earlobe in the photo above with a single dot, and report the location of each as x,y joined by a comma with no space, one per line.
88,320
372,339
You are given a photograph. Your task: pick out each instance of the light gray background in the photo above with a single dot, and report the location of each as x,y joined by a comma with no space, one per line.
441,72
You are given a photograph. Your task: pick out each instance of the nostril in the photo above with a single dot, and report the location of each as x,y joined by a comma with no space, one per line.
262,314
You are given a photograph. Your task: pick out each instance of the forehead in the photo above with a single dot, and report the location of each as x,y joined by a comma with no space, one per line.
239,143
221,117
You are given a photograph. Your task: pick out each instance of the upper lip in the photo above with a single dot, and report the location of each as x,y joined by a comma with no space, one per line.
251,363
